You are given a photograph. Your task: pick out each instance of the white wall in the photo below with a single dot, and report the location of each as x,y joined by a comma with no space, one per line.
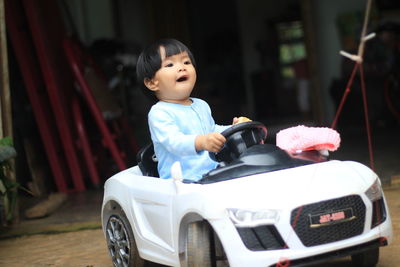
92,18
100,19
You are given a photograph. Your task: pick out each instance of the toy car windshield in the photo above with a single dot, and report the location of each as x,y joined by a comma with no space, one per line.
245,153
258,159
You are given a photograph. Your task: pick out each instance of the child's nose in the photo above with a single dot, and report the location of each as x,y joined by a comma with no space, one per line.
181,67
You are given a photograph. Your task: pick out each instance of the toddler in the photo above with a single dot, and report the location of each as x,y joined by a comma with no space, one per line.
181,127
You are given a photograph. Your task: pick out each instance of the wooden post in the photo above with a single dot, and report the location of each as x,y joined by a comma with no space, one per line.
5,97
6,116
309,31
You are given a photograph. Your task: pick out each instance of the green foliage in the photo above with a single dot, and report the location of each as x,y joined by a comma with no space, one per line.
6,141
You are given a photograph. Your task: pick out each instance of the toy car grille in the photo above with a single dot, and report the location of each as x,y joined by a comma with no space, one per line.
310,223
259,238
378,212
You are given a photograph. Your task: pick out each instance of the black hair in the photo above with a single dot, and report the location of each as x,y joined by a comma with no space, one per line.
149,61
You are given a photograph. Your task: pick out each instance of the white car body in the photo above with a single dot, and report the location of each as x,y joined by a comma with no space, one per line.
159,211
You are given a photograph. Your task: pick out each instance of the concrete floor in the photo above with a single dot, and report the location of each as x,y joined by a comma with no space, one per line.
79,212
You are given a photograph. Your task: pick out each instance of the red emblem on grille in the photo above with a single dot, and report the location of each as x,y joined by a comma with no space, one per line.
335,216
331,217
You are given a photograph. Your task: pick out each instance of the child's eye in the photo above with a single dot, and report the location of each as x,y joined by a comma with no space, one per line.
169,65
187,62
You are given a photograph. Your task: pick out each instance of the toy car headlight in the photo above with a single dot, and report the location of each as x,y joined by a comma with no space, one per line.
252,217
374,192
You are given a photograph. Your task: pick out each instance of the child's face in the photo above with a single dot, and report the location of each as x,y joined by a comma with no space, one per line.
175,80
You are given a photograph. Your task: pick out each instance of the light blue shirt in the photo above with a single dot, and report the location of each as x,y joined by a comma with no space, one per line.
173,129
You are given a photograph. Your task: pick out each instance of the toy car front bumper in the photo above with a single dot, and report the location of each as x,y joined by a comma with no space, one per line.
294,253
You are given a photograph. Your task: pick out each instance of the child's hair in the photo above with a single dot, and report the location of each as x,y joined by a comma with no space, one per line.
149,61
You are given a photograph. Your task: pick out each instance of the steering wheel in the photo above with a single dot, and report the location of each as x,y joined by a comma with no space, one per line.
239,137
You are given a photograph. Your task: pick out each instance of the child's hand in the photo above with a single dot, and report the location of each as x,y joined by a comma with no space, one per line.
237,120
211,142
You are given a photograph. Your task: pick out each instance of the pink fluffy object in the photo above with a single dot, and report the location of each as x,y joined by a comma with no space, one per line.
303,138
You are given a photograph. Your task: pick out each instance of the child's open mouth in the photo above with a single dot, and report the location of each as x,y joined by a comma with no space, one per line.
182,78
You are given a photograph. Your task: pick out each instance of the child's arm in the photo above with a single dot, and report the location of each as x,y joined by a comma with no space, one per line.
211,142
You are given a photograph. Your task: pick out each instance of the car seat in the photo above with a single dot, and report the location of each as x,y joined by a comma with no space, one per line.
147,161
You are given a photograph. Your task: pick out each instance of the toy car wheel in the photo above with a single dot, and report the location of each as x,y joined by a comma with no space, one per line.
198,246
121,243
367,258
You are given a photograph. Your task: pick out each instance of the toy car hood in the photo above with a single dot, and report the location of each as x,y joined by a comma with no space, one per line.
309,183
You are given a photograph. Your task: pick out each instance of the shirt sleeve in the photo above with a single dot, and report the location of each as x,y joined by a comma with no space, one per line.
165,131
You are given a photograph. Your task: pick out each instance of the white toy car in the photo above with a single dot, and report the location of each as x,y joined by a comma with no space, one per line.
260,207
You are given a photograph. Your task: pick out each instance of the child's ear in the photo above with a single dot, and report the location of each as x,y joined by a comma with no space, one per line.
151,84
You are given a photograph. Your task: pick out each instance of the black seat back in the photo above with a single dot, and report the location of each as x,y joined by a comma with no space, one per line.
147,161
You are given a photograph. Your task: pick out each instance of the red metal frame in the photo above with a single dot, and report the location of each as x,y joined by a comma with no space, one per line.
51,64
78,60
83,143
47,33
25,55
